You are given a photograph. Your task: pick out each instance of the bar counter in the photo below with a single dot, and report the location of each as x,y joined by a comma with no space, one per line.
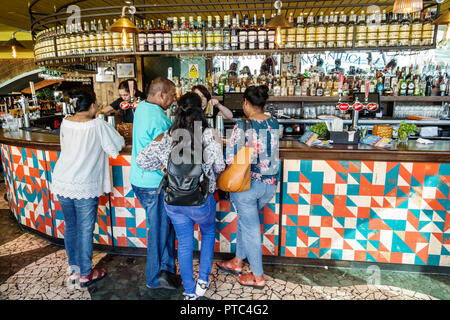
342,203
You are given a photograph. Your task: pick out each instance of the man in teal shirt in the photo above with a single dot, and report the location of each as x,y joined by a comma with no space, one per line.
149,122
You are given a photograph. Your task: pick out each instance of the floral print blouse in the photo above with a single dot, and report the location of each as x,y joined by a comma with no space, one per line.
156,154
264,138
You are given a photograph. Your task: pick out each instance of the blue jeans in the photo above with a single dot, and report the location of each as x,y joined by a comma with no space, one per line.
183,219
160,236
79,220
248,237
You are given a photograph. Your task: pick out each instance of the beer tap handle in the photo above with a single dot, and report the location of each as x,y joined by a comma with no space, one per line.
131,89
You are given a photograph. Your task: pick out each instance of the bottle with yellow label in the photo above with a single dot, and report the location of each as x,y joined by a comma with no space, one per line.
310,32
85,36
331,30
372,30
394,28
291,33
416,30
116,41
300,32
383,31
351,29
428,29
341,31
361,31
100,37
321,32
404,33
107,37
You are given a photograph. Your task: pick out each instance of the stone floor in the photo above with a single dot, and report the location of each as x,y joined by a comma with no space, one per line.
32,268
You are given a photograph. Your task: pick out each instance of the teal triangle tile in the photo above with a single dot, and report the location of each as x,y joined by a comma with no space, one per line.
308,231
398,245
415,183
373,214
329,197
440,225
423,224
363,243
418,261
375,244
403,204
340,220
287,199
293,218
430,181
312,255
357,164
428,214
343,175
442,214
315,244
323,251
350,203
415,212
356,176
443,187
363,226
349,233
345,164
302,200
401,194
368,176
317,210
445,203
445,252
370,258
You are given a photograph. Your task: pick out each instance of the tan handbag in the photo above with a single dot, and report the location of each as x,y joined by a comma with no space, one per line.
236,177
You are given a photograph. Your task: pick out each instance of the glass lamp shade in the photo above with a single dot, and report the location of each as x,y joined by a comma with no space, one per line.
407,6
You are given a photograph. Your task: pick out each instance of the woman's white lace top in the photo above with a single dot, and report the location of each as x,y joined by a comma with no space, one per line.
82,169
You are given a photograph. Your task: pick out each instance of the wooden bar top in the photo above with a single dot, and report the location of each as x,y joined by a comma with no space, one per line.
439,151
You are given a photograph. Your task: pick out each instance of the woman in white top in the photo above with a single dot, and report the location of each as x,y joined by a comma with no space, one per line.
80,177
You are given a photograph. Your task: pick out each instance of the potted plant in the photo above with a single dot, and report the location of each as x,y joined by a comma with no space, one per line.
404,131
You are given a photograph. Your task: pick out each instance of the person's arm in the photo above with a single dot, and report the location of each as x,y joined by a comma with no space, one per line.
224,111
155,155
112,142
106,111
214,153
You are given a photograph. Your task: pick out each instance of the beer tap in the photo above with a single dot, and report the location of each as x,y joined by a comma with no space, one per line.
33,94
24,104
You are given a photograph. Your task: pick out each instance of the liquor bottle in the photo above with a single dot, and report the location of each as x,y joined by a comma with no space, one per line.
107,36
253,35
428,29
198,33
394,28
403,86
209,35
361,31
93,37
151,36
271,37
298,88
175,35
167,36
183,35
410,83
310,32
159,40
350,29
331,31
234,34
372,30
416,30
404,30
218,37
277,88
101,37
300,32
383,31
262,34
341,31
190,30
226,33
243,34
116,41
291,34
321,32
443,84
58,41
142,38
86,44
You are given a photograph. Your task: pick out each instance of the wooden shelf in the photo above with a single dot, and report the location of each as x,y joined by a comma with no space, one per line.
412,99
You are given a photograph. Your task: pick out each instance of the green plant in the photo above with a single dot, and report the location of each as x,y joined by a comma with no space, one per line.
405,130
320,129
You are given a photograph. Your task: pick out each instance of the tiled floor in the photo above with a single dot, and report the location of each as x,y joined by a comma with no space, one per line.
31,268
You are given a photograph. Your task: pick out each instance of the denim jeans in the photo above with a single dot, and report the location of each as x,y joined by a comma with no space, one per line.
248,237
79,220
183,219
160,236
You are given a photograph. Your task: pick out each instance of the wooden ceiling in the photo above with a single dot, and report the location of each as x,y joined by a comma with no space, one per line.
15,13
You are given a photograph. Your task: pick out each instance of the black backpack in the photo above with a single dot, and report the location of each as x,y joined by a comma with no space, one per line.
184,184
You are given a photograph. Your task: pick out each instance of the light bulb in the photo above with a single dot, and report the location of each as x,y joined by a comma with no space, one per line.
278,36
124,38
14,53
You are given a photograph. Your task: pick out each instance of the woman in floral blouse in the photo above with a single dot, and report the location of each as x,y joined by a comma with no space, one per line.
263,137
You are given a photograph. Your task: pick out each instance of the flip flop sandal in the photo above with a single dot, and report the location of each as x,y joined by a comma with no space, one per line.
93,276
249,280
230,267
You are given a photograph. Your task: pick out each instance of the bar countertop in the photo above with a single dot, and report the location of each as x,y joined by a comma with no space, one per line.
439,151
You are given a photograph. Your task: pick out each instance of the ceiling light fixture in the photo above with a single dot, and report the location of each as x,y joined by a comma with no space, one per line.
14,44
125,25
278,22
407,6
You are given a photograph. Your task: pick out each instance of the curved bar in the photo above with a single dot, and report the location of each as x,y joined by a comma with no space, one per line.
329,204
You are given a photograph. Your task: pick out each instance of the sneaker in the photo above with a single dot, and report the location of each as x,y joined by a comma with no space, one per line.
190,296
201,287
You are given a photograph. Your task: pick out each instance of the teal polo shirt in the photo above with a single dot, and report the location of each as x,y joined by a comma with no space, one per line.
149,122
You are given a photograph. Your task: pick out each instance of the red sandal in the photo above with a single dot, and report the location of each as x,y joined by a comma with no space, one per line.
93,276
230,267
249,280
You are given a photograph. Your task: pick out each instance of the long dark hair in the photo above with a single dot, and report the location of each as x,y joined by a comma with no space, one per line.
189,113
203,90
84,96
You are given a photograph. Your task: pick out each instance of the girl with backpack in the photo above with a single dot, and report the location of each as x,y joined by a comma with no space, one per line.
189,185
